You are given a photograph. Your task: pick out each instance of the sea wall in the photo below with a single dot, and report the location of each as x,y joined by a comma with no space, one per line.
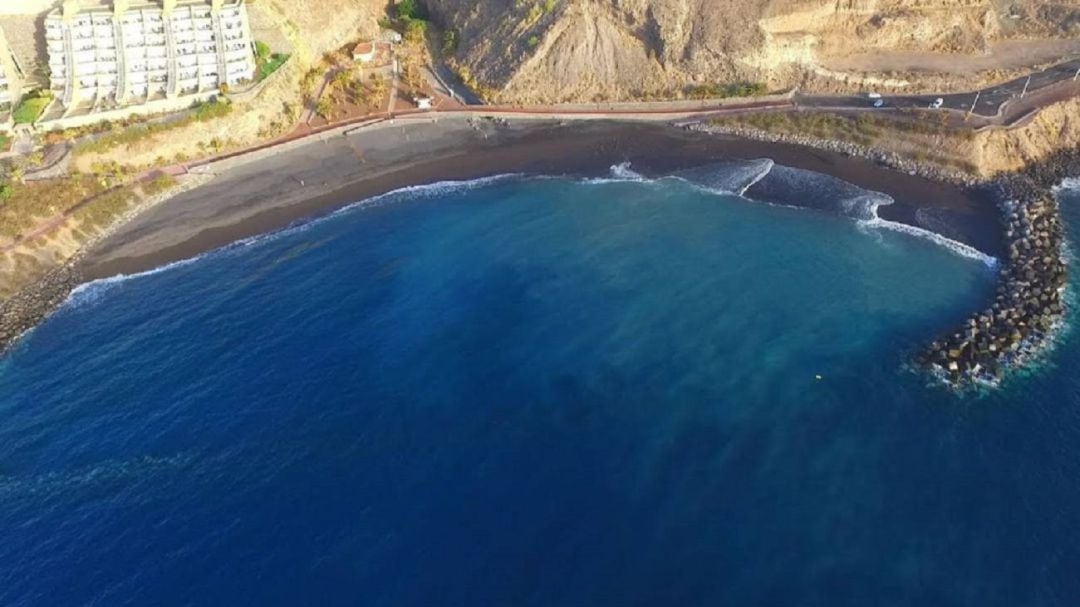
1028,307
879,156
24,310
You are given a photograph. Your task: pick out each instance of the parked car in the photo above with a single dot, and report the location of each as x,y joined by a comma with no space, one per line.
937,103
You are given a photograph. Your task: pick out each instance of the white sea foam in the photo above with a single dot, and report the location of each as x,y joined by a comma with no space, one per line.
623,171
427,190
1069,183
90,292
864,206
619,173
956,247
763,169
732,178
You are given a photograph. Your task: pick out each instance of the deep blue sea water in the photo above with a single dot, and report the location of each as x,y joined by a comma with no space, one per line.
536,392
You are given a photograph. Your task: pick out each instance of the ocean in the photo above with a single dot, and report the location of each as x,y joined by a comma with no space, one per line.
535,392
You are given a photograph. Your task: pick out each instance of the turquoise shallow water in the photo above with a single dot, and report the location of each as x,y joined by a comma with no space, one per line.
535,392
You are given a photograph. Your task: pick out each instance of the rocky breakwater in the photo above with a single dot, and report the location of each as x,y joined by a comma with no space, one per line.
1027,308
24,310
882,157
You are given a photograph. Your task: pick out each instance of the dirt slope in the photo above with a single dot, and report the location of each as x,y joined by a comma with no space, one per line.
558,50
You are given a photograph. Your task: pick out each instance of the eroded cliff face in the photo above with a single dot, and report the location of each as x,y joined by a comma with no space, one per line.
562,50
1055,127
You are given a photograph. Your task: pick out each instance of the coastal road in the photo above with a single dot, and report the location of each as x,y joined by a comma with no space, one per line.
998,105
991,101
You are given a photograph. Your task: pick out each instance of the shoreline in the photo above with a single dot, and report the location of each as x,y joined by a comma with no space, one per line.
251,198
271,190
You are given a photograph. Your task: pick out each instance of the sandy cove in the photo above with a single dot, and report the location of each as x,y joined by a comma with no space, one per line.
272,189
277,187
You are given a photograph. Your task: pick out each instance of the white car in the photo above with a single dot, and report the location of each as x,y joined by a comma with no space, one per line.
937,103
879,102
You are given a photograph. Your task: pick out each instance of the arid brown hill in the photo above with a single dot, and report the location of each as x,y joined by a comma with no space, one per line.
559,50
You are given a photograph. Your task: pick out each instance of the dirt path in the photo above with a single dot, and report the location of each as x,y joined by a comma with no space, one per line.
1006,55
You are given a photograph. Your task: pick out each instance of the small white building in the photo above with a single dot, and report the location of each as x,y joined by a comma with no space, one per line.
364,52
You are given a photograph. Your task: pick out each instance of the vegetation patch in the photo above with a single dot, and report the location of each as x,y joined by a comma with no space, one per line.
105,208
110,136
411,19
723,91
863,128
30,109
920,136
451,38
26,205
267,62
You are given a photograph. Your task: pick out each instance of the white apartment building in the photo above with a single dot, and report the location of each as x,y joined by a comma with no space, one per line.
131,53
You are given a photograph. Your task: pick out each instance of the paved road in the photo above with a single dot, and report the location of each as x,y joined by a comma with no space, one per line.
990,101
448,79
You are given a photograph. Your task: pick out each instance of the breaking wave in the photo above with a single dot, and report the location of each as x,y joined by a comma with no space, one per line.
803,188
619,173
959,248
733,177
764,181
1069,183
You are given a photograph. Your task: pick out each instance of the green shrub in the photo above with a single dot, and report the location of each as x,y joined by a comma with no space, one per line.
262,50
722,91
415,29
450,42
411,10
5,191
30,110
127,135
271,65
208,110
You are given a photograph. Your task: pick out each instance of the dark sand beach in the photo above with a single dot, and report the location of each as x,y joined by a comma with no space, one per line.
277,188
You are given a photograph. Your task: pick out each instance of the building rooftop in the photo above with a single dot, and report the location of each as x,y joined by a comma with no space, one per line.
127,53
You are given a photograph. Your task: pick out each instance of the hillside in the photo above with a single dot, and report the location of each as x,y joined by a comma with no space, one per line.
560,50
